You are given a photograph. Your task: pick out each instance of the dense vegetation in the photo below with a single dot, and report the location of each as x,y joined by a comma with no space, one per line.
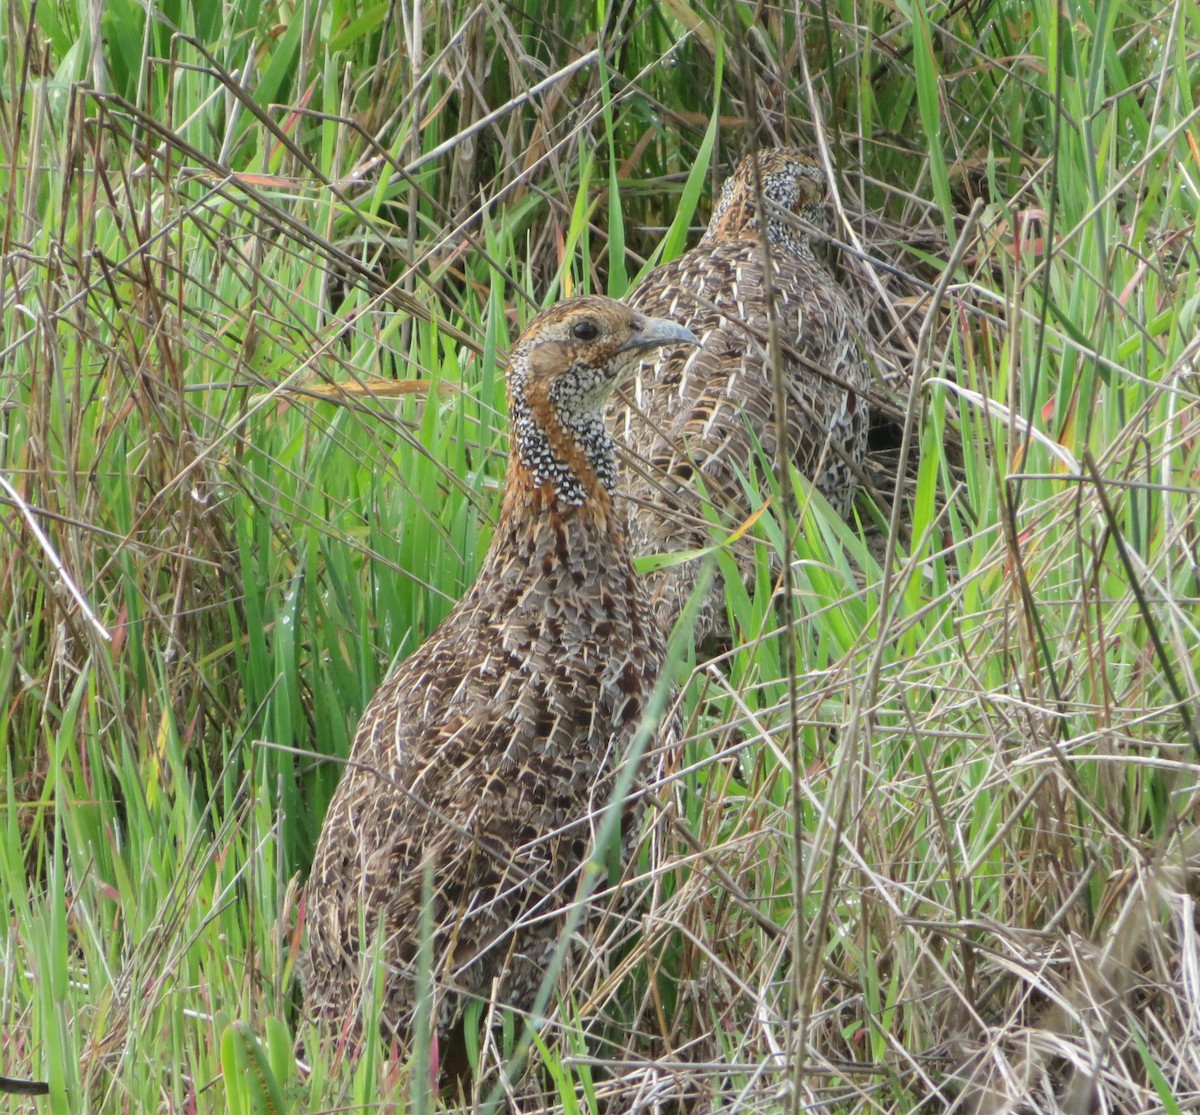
931,837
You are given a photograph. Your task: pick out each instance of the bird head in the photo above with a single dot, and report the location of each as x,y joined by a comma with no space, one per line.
792,185
560,373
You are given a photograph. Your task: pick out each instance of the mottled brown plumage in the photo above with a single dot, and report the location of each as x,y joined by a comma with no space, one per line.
701,410
491,753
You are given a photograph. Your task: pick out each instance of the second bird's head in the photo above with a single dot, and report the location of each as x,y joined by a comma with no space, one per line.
560,374
783,181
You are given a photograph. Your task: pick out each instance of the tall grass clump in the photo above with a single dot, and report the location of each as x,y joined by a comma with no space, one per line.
930,839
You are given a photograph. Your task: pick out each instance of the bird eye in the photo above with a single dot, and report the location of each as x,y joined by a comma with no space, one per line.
586,330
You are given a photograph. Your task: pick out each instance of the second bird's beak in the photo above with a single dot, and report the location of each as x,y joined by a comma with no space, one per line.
650,332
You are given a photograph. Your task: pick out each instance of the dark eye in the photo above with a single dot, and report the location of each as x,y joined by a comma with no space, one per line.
586,330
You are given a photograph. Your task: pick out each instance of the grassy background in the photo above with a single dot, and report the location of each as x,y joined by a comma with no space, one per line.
931,841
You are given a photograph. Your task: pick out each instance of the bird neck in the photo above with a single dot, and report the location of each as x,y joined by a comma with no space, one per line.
559,526
563,447
532,507
544,540
738,219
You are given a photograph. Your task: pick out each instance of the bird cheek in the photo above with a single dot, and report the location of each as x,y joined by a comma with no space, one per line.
547,359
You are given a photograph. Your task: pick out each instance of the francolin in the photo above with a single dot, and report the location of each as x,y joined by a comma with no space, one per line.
492,752
704,419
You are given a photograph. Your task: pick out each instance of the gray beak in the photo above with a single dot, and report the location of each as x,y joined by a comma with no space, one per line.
650,332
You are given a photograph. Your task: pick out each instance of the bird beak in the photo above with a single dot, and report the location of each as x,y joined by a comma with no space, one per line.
650,332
